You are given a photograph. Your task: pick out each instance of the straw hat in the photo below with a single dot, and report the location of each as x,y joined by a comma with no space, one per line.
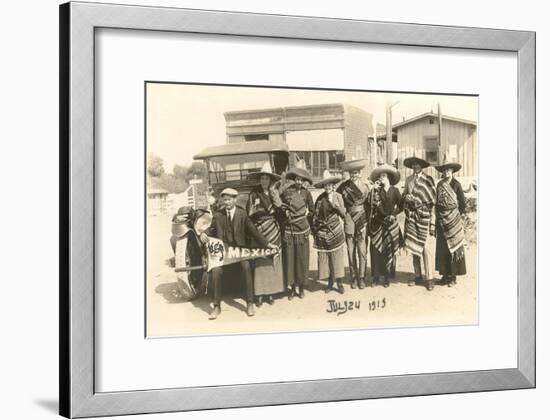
393,174
301,171
328,178
411,161
455,166
229,191
353,165
266,170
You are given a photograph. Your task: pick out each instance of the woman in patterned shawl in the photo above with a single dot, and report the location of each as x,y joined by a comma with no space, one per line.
328,232
297,204
449,207
418,201
262,210
383,205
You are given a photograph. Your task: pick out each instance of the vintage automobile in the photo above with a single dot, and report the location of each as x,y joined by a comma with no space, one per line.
228,165
189,259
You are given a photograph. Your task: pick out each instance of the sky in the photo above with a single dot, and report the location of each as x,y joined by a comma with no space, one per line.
184,119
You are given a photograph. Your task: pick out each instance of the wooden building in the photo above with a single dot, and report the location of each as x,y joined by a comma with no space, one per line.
419,136
158,202
322,135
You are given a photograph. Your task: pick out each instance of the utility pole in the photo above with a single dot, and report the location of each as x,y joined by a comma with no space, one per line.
389,133
440,130
389,136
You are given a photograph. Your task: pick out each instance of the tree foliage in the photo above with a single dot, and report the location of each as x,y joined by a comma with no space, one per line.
178,180
155,165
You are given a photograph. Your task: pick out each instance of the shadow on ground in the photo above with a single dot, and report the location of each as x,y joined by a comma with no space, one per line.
169,291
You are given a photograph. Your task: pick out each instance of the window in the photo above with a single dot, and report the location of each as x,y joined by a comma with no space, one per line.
305,156
254,137
431,149
335,158
318,161
235,167
318,164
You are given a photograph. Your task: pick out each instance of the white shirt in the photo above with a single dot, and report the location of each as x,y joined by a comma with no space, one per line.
231,213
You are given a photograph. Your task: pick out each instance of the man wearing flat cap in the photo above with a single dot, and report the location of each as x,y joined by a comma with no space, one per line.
233,226
418,202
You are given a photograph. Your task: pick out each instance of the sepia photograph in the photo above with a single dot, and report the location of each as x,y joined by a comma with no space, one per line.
282,209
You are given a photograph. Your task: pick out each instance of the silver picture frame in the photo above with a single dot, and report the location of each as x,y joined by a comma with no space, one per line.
78,22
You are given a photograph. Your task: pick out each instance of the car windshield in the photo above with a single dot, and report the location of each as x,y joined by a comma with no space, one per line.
235,167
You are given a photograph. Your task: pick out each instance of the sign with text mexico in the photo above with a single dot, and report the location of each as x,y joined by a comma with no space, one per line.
221,254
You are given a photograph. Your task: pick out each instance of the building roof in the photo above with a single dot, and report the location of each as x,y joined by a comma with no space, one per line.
229,114
433,115
242,148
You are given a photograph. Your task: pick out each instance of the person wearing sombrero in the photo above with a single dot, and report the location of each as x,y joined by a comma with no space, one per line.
382,206
450,205
354,192
297,204
328,232
418,201
262,208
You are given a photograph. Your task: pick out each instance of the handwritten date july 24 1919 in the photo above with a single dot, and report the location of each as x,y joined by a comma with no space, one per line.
340,308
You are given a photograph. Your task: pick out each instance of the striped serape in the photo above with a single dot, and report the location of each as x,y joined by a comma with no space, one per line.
262,212
328,226
269,227
418,214
450,219
296,227
387,240
354,200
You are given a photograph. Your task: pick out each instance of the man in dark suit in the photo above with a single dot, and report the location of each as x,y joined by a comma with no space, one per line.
233,226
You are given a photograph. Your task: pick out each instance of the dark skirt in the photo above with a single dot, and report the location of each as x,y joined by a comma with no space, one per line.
443,259
268,276
378,264
296,262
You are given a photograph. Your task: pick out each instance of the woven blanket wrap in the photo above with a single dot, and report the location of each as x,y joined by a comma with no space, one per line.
354,200
450,219
328,227
417,222
296,227
262,213
387,240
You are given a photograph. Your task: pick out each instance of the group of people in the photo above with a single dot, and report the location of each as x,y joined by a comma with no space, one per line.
348,215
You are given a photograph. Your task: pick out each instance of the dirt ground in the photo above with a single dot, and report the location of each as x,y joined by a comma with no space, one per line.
378,307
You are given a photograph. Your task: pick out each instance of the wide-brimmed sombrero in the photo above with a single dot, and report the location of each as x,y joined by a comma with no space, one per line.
393,174
266,170
353,165
411,161
328,178
455,166
301,171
